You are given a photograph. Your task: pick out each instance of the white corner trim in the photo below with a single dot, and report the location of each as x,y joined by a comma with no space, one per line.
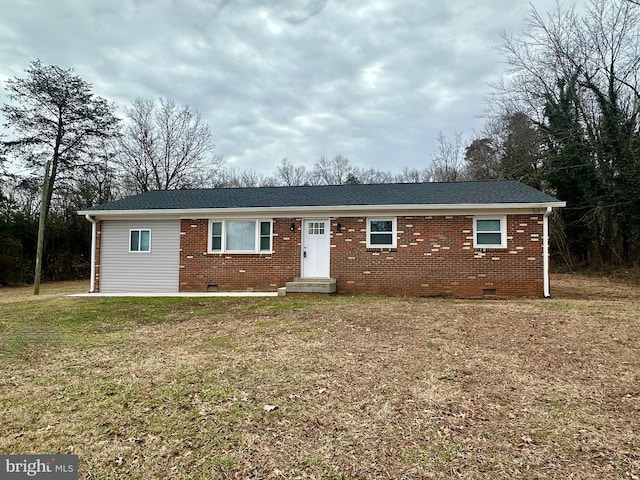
92,282
545,252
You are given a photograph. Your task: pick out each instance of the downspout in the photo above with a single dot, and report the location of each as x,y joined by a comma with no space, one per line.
545,251
92,283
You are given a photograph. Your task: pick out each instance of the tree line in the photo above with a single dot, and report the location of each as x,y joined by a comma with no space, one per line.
564,120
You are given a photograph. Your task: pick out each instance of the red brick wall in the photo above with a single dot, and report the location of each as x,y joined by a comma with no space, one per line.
260,272
434,256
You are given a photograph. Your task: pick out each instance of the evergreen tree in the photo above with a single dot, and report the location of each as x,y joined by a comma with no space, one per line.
56,119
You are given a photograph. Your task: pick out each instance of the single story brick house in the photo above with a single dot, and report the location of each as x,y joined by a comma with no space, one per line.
464,239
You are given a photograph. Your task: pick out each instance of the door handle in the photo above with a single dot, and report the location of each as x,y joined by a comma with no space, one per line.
304,254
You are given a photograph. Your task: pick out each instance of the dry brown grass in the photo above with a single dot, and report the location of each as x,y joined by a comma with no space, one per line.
364,387
48,290
592,287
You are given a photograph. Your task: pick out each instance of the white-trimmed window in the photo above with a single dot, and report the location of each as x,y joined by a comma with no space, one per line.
490,232
140,240
240,236
381,232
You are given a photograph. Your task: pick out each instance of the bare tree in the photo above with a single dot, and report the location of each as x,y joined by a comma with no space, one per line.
371,175
24,193
288,174
167,147
446,163
331,172
99,183
596,54
234,178
412,175
575,80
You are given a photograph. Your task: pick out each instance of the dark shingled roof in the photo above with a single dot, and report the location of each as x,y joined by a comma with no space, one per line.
500,191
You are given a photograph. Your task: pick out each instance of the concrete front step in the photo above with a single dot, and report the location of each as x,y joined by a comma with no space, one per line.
326,286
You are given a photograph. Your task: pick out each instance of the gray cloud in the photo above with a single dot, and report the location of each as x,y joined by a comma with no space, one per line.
375,81
313,8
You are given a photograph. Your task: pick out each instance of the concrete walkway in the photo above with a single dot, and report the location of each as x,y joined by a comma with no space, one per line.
176,294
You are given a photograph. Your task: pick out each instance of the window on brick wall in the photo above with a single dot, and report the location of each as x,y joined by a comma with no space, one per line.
490,232
381,233
240,236
140,240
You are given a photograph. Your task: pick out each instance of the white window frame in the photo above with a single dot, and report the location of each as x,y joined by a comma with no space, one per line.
139,230
223,240
503,231
394,232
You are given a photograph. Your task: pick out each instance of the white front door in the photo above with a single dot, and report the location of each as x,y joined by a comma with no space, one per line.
315,248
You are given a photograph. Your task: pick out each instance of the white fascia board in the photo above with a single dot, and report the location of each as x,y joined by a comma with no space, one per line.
327,211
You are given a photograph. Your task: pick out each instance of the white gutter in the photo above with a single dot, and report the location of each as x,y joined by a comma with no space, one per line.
92,284
442,209
545,251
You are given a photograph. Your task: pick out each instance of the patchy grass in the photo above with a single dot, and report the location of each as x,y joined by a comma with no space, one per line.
48,290
337,387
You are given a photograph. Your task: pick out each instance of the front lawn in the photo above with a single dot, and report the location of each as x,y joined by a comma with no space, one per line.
334,387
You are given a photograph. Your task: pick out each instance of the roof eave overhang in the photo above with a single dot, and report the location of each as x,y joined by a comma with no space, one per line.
329,211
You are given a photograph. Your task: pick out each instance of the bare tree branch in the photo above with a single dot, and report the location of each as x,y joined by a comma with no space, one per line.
166,147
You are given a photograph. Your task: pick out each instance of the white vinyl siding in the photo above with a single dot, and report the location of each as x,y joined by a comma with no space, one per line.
122,270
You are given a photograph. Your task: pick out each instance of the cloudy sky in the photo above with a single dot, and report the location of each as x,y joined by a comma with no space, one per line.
373,80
